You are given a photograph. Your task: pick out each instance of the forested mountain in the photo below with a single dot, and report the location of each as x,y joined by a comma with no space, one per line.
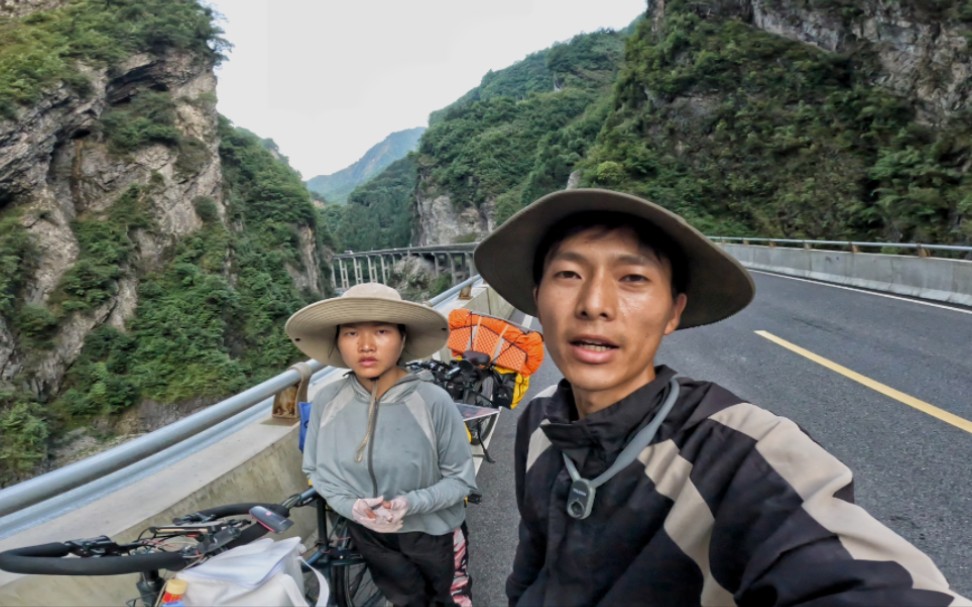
150,251
336,187
831,119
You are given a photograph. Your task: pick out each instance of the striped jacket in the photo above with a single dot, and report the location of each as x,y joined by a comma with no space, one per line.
729,505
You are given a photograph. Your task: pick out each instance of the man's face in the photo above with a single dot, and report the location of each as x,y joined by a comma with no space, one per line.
605,303
369,348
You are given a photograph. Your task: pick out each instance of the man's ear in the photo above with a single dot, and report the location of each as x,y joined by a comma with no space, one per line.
536,303
678,306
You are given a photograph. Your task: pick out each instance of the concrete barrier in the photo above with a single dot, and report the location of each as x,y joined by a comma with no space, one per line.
948,280
261,463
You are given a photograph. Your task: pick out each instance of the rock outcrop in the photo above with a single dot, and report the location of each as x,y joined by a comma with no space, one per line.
57,168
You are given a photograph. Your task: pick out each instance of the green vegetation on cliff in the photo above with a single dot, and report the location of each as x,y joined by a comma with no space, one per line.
749,133
45,49
524,128
376,216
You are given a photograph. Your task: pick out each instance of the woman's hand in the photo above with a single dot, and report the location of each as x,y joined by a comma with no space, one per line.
371,513
396,509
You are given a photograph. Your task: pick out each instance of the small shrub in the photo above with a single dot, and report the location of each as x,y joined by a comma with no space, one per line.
206,209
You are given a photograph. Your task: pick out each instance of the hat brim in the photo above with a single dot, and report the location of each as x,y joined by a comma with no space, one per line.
718,286
313,329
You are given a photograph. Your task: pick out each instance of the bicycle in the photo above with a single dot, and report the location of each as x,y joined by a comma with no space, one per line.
472,380
192,538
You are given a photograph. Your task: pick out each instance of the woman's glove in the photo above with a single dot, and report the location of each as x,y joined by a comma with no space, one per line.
367,511
396,509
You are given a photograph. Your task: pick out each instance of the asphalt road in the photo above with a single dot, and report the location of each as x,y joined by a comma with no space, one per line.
913,471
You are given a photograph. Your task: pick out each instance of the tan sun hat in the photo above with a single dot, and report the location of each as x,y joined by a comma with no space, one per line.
718,286
313,329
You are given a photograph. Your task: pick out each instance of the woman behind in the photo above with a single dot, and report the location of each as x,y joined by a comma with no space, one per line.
387,450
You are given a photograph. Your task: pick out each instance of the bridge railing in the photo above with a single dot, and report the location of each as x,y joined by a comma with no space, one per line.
854,246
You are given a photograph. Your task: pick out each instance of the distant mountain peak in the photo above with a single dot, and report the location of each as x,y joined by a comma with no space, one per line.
336,186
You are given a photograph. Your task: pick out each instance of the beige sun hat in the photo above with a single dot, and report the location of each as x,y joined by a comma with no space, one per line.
313,329
718,286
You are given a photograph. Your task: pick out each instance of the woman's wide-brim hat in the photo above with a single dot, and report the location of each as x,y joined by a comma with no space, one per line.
313,329
718,286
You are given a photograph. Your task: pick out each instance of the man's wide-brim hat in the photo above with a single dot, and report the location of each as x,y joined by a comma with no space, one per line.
313,329
718,286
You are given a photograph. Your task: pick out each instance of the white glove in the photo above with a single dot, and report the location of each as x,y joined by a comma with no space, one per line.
365,512
395,510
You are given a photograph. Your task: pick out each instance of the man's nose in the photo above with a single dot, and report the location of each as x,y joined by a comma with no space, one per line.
597,298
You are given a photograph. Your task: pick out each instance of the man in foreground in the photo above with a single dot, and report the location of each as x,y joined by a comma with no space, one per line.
715,501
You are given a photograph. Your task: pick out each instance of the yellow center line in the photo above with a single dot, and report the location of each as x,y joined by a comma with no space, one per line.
911,401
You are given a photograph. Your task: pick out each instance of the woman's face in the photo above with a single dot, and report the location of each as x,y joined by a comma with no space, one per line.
370,348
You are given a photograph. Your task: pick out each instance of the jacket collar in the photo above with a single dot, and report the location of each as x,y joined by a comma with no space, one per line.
596,440
403,387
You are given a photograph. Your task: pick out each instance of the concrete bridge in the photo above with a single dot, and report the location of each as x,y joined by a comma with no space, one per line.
351,268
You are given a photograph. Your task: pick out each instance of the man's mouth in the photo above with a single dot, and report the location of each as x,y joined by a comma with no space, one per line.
594,345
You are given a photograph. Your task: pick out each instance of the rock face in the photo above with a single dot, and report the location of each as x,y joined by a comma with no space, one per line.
55,168
921,57
440,223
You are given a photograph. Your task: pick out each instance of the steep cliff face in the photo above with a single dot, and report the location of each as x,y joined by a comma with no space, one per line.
149,250
921,54
441,223
56,168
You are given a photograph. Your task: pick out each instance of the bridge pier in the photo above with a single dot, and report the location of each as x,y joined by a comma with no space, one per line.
357,271
371,270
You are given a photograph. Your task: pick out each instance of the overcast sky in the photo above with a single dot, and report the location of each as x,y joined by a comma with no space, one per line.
328,79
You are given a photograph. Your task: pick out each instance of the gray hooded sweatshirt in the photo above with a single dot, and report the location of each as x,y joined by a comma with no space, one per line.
419,450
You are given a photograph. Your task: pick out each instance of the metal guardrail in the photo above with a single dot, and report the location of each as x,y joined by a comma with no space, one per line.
161,447
851,244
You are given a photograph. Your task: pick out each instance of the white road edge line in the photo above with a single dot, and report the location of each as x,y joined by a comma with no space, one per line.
866,292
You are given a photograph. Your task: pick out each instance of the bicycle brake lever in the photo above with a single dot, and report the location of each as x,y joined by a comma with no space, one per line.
213,543
195,517
94,546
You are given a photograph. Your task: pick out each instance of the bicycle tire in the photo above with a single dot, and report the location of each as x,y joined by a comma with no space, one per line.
351,580
48,559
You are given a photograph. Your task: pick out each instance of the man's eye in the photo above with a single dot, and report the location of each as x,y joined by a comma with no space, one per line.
634,278
566,274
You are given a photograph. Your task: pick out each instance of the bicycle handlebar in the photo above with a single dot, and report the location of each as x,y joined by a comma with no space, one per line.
48,559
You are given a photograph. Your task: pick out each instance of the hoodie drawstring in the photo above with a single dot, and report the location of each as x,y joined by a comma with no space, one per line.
372,422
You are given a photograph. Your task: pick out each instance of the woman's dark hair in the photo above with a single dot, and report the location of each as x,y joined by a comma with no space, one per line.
649,237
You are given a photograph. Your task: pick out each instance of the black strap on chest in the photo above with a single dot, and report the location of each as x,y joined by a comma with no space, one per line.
580,498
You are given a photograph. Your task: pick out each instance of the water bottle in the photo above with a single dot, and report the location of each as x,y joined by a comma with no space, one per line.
172,595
